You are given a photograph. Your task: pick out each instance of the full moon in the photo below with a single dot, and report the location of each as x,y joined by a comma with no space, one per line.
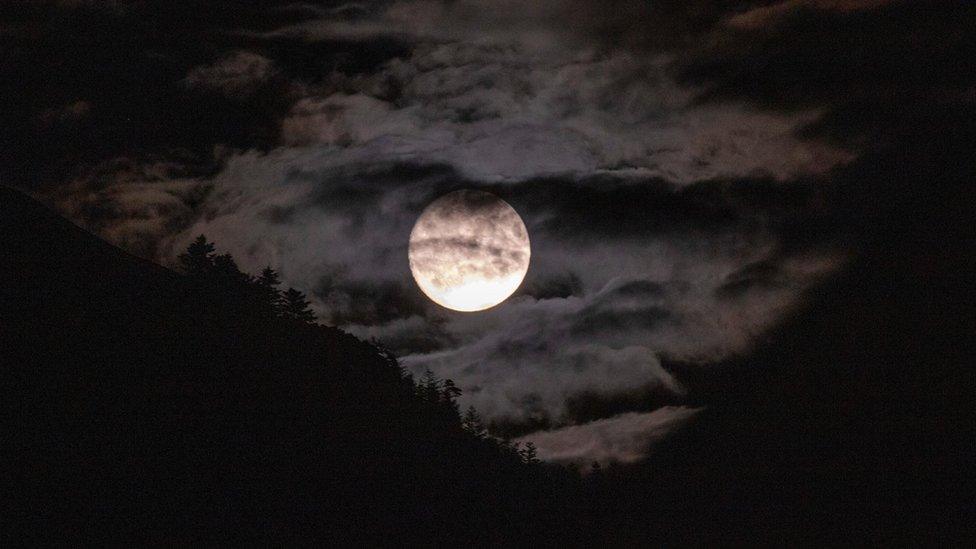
469,250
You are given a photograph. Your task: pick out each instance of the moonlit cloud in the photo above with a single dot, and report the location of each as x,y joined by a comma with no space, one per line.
235,75
768,14
507,114
658,219
624,438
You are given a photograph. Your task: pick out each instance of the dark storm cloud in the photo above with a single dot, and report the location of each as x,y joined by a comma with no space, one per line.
129,62
640,288
762,274
609,206
880,68
550,286
685,169
355,189
622,309
544,102
351,302
237,75
633,319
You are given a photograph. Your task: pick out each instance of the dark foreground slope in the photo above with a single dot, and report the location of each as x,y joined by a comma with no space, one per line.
852,422
140,407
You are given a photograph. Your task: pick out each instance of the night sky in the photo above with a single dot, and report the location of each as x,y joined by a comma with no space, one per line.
686,170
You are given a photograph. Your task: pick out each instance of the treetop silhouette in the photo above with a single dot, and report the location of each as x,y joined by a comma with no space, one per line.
198,258
296,306
220,273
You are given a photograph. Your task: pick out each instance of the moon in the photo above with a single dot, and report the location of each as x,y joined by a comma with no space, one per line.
469,250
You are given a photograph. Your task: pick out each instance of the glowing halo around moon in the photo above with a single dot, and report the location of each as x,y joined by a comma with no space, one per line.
469,250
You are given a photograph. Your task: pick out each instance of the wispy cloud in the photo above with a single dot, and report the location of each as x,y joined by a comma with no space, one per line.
236,75
625,438
641,247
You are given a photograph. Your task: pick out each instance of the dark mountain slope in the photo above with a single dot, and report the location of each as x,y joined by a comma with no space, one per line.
140,406
853,420
143,407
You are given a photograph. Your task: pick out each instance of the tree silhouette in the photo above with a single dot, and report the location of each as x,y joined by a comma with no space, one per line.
472,423
429,387
295,306
198,258
214,378
225,268
529,453
268,294
450,392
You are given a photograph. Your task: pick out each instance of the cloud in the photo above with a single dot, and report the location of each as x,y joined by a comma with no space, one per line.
336,221
624,438
769,14
504,113
526,359
132,203
649,209
236,75
548,26
879,71
71,112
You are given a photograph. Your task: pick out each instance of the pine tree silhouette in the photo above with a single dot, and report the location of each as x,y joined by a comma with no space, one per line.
198,258
226,269
430,387
449,395
214,378
451,392
296,306
529,453
269,296
472,423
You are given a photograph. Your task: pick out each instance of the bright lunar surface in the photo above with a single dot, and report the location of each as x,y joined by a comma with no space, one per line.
469,250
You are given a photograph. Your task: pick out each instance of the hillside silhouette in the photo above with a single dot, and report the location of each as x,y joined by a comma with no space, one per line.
852,421
145,406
